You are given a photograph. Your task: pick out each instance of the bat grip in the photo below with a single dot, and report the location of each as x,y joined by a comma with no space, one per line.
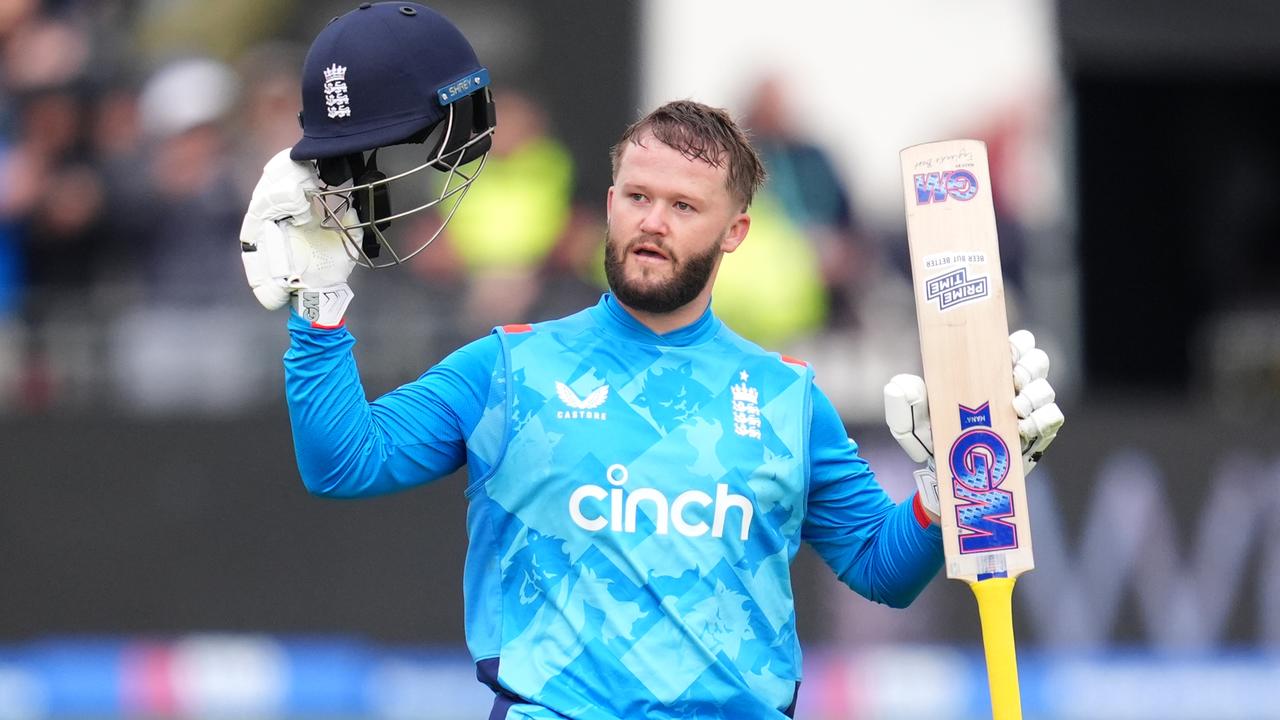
995,609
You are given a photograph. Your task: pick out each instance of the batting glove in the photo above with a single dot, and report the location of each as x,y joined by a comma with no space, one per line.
906,411
288,255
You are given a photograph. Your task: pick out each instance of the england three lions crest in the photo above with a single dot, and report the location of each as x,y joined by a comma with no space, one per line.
335,91
746,408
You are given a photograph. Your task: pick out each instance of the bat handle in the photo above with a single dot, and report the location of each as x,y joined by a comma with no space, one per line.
995,609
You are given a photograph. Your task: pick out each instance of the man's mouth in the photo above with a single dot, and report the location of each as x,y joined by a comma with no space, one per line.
649,252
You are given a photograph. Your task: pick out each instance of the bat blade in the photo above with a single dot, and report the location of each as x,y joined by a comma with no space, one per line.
964,345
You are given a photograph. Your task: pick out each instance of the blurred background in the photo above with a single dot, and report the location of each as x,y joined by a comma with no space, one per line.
159,557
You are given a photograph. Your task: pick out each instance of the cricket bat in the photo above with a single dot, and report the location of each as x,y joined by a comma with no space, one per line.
968,370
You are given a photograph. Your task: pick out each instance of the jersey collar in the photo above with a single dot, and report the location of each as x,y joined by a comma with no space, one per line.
614,319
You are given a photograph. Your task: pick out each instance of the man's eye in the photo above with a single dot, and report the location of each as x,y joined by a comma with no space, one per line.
637,197
684,206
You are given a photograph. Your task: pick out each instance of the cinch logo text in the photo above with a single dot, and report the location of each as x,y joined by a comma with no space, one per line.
594,508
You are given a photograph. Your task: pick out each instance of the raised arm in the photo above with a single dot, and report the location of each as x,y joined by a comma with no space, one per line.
882,551
349,447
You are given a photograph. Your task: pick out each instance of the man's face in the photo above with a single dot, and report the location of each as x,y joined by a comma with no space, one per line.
670,218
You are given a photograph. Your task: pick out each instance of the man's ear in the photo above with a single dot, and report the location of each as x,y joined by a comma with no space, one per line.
737,233
608,204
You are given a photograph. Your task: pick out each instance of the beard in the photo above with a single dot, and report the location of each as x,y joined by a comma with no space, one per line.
689,276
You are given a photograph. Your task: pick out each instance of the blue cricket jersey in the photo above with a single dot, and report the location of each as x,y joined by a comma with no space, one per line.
636,501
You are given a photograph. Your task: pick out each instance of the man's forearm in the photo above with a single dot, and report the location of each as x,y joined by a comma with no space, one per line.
339,448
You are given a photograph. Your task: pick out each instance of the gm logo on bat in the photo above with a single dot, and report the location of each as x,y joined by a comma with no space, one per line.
936,187
979,463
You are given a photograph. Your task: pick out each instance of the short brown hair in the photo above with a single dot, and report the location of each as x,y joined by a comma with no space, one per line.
701,132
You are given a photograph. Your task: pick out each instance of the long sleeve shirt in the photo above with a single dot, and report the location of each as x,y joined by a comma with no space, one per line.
635,503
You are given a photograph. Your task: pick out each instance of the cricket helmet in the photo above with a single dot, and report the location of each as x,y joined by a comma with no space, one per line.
384,74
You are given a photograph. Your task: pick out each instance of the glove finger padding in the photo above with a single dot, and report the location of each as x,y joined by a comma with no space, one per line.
906,411
1020,341
282,191
906,405
284,246
1030,366
1040,428
1039,416
264,252
1033,396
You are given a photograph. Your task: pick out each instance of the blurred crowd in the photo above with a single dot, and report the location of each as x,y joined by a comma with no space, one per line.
126,161
124,168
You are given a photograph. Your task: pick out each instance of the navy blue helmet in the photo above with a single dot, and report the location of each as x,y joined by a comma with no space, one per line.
392,73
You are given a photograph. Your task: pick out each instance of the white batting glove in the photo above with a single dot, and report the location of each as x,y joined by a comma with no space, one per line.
287,254
1039,417
906,411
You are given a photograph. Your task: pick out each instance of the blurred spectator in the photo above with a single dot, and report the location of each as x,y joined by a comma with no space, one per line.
194,203
810,191
185,344
51,192
40,51
10,236
515,214
1005,133
223,29
267,118
10,281
793,302
122,161
50,195
10,285
59,195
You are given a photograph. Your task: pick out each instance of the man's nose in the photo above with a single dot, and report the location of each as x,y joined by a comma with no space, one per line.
654,222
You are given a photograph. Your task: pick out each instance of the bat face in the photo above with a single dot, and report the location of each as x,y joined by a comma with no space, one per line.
955,268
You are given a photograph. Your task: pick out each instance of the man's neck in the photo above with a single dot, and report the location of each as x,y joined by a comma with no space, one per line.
663,323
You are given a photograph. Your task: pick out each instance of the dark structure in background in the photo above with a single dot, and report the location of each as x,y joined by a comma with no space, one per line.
214,532
1177,158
